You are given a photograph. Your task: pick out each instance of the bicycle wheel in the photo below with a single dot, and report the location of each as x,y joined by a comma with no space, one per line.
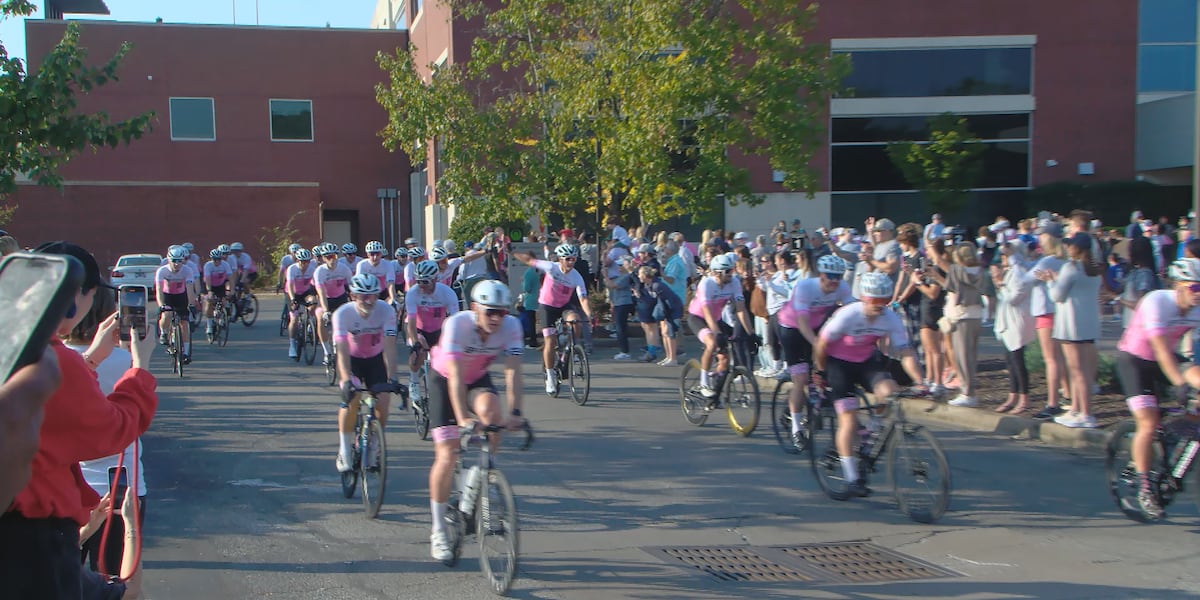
781,420
692,401
331,369
222,331
823,455
579,374
1123,483
918,472
210,332
742,400
283,319
420,407
308,342
496,528
249,309
177,334
374,469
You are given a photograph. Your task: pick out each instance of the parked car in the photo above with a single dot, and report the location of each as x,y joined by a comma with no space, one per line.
136,269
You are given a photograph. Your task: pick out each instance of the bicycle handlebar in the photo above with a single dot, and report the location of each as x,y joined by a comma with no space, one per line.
465,432
380,388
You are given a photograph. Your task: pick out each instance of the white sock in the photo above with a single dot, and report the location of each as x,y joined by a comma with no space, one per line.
550,374
187,348
438,510
850,468
210,323
412,378
705,378
796,420
346,445
327,347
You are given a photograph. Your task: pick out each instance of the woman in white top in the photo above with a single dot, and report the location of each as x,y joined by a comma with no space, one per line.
1076,290
1014,322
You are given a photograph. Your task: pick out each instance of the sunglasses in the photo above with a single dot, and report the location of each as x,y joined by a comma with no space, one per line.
176,261
876,301
495,312
374,254
568,259
833,276
1194,288
425,282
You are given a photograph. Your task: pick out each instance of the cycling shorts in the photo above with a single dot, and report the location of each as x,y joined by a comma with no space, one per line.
696,324
336,303
371,371
431,337
441,414
549,315
217,290
177,302
796,349
1140,377
843,375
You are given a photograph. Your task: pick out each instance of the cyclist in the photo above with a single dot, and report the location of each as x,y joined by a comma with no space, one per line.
351,257
399,263
809,304
286,261
247,270
175,284
192,259
216,274
1145,355
428,304
380,267
415,255
449,266
848,349
360,330
460,388
713,292
330,279
298,285
226,255
563,294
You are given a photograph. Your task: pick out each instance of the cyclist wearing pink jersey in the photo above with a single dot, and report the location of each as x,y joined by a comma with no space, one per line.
563,295
427,304
449,266
1146,356
848,349
809,304
175,284
330,280
298,284
214,284
379,266
288,260
364,331
415,256
350,256
713,292
460,389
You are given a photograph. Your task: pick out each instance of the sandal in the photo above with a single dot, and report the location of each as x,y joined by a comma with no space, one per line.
1006,406
1019,408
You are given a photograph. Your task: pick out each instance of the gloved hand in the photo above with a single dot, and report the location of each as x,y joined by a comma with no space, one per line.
1183,393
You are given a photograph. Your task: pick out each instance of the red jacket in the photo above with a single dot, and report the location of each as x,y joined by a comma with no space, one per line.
80,423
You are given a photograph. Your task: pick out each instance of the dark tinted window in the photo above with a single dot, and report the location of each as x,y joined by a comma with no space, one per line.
899,129
939,72
1170,68
1167,21
192,119
291,120
868,168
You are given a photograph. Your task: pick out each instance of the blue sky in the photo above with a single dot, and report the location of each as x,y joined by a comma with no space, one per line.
297,13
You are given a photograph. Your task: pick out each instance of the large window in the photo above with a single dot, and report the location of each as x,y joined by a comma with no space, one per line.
1167,45
291,121
193,120
939,72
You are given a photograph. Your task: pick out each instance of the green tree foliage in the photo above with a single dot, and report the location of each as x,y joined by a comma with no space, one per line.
274,241
40,128
946,167
640,105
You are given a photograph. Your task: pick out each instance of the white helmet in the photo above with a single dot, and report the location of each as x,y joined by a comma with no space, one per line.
566,251
349,248
224,248
215,254
329,248
318,250
415,253
831,264
722,262
294,247
427,270
491,293
1185,269
438,253
236,247
302,254
364,283
875,285
401,251
177,253
375,247
410,241
189,246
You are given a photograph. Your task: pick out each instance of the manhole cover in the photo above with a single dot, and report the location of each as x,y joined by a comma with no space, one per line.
737,563
848,562
860,562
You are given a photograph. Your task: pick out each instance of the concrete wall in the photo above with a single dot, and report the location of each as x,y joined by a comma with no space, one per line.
813,212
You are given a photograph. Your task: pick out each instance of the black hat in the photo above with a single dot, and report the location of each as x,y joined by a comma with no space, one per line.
1080,240
91,269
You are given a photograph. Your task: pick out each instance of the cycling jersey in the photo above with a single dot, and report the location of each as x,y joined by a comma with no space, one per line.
194,260
364,335
384,271
351,262
558,286
299,281
430,310
216,274
287,261
232,262
808,301
245,263
715,296
167,281
446,275
332,281
852,337
410,275
1157,314
461,344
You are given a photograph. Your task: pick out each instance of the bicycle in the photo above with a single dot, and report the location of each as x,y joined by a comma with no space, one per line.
220,327
492,515
781,418
1174,448
901,441
306,333
420,403
284,318
571,364
245,304
737,389
174,340
331,362
369,466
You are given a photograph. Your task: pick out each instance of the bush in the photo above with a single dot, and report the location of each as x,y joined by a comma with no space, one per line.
274,242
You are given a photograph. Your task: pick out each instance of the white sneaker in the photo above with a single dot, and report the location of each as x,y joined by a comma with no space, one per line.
1067,419
963,400
439,546
622,356
342,465
414,390
1076,421
707,391
551,385
666,362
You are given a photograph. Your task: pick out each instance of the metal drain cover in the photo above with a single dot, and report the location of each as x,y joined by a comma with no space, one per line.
844,562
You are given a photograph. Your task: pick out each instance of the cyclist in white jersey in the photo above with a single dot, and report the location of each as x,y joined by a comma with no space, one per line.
563,294
350,256
247,271
428,304
399,262
380,267
215,283
713,292
330,279
848,349
1146,356
449,266
302,295
286,261
460,389
193,259
361,330
415,256
174,283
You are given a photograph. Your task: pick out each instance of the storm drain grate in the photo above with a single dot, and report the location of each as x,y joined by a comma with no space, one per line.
860,562
738,563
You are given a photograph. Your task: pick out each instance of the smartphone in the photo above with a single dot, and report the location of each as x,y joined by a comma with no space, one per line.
133,312
118,482
36,291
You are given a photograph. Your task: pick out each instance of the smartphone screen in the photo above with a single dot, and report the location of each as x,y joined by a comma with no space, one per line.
133,312
35,291
118,482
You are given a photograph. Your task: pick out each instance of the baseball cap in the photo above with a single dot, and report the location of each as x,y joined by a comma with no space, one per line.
566,233
646,248
1053,228
91,269
884,225
1080,240
936,217
741,235
837,231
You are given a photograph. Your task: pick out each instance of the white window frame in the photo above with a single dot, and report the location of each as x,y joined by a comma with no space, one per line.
312,129
170,117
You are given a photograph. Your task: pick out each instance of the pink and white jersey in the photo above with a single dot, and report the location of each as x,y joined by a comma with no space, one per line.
1157,314
461,344
364,335
384,271
715,296
216,274
809,302
852,337
299,280
245,263
430,310
231,260
558,286
349,261
167,281
410,275
333,281
446,276
285,262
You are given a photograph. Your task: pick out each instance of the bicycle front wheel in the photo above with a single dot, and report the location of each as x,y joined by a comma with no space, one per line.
579,374
222,325
919,473
177,335
690,398
308,342
823,455
331,370
742,401
283,319
374,469
1123,482
781,420
496,528
249,309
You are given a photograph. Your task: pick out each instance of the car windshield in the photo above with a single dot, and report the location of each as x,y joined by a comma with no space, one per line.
139,261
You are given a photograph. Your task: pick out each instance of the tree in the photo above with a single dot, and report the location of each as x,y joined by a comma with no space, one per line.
614,108
945,168
40,128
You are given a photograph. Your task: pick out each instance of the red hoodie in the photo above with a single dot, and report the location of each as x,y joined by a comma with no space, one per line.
80,423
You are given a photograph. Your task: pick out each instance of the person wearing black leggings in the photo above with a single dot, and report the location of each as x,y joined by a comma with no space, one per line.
1014,321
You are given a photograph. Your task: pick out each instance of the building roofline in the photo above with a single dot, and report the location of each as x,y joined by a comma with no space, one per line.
107,22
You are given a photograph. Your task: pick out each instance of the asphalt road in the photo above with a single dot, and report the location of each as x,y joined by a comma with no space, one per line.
244,501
